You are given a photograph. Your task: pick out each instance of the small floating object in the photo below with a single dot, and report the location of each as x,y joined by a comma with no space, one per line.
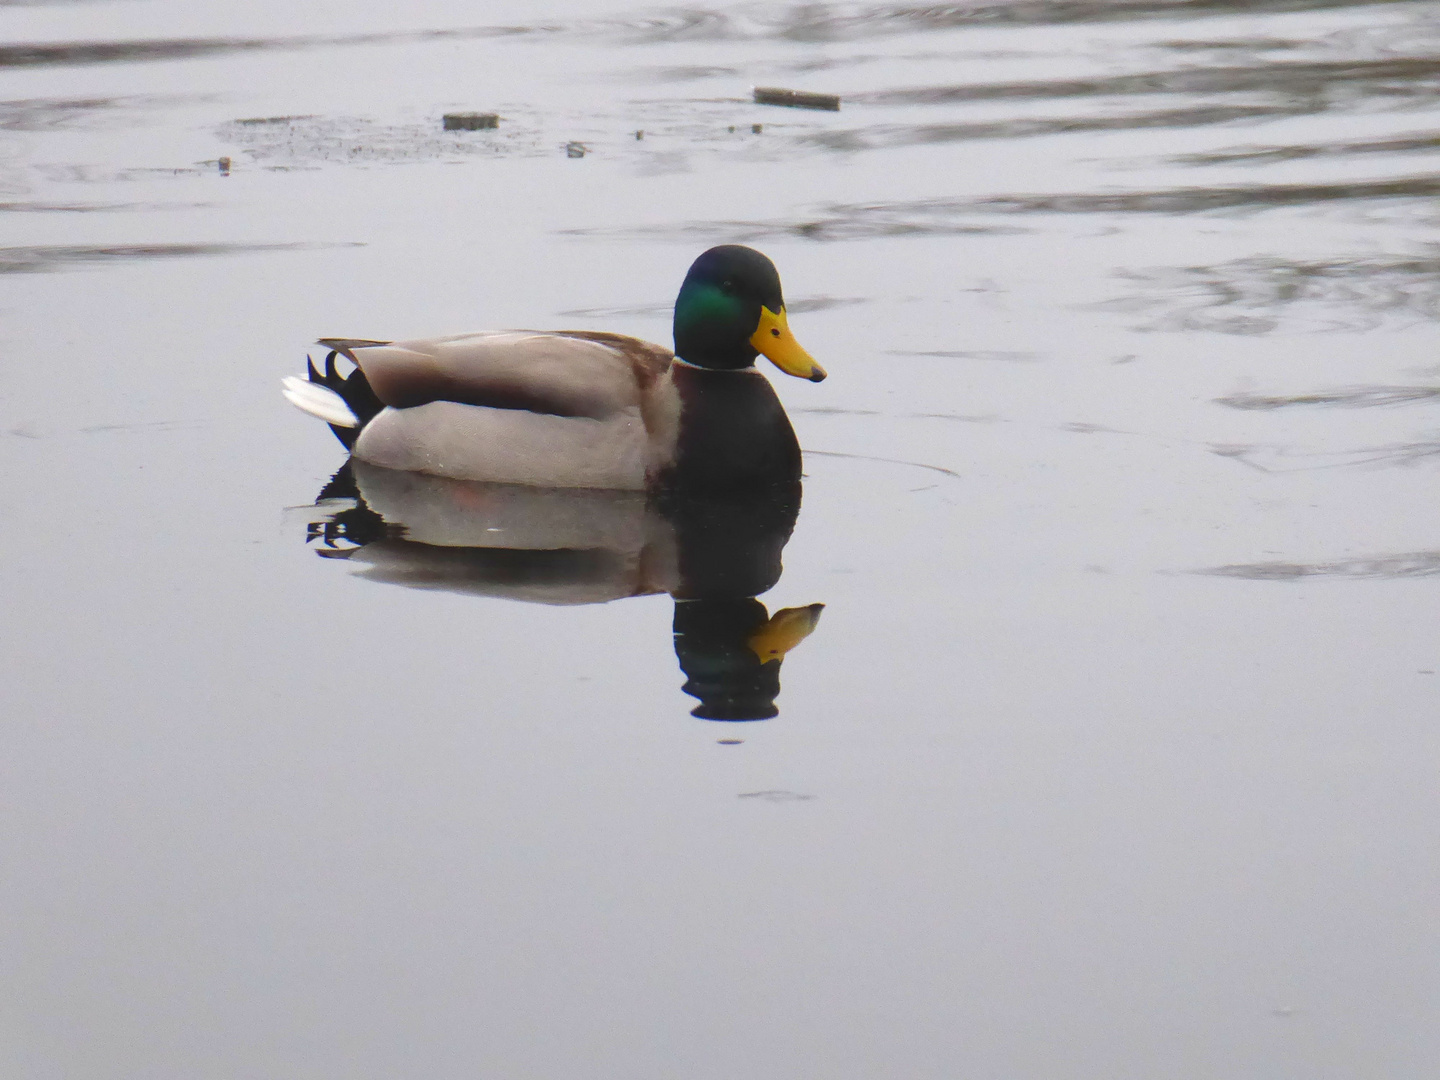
224,164
755,129
574,149
471,121
729,742
796,99
639,135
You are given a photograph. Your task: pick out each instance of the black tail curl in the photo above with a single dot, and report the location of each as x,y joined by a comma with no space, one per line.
354,388
345,531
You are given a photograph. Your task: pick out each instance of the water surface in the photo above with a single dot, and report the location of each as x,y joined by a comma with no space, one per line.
1112,753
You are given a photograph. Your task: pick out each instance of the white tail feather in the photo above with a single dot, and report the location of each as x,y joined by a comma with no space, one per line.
318,401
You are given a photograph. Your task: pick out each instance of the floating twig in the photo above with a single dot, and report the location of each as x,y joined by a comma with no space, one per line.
796,99
471,121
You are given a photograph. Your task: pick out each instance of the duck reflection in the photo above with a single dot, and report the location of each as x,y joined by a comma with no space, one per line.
573,546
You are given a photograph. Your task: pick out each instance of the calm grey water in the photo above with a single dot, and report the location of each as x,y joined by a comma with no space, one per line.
1113,755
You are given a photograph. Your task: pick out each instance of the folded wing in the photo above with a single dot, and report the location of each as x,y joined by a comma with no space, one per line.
574,374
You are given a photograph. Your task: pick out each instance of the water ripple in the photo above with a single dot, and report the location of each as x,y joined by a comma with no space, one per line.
35,260
956,217
1418,142
1254,295
80,53
61,114
1354,397
883,136
1192,200
1411,564
1308,86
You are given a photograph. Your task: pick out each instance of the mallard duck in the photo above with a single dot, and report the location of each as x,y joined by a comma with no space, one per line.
583,409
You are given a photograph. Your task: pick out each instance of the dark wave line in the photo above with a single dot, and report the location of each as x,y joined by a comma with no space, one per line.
1405,77
35,260
77,53
805,22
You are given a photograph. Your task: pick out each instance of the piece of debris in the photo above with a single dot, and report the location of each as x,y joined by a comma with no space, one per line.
224,164
639,135
471,121
796,99
731,129
755,129
254,120
575,149
776,796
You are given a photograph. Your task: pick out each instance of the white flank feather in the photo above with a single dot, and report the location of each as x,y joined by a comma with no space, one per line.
318,401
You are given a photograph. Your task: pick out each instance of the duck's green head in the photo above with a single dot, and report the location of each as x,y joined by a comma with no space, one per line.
730,309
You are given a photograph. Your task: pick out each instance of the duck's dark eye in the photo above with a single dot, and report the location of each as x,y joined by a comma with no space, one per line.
774,331
728,286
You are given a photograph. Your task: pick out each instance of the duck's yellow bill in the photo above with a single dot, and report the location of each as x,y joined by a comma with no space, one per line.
786,629
773,340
